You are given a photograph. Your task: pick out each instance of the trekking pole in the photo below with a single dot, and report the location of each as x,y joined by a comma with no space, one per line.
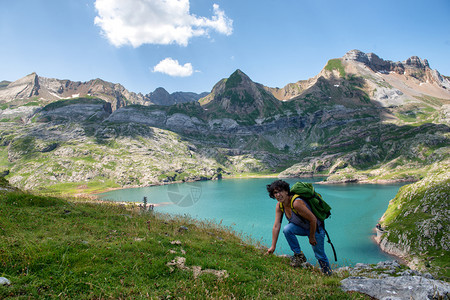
329,241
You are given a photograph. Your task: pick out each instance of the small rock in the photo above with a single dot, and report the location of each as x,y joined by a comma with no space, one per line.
183,228
408,272
4,281
388,264
175,243
362,266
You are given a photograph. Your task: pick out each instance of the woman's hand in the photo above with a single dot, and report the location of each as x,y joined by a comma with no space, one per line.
312,240
270,250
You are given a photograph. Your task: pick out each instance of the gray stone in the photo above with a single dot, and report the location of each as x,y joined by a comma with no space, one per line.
183,228
4,281
403,287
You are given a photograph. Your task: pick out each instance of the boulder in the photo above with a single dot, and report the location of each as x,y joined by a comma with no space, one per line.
403,287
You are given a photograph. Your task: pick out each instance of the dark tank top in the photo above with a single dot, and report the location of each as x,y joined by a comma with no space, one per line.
299,220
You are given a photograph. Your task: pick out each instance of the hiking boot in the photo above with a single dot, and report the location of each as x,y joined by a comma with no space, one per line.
298,259
326,269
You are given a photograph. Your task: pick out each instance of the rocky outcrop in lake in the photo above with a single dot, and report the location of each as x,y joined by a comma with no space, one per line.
417,223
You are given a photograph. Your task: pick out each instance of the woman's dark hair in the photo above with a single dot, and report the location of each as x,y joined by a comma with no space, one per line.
276,186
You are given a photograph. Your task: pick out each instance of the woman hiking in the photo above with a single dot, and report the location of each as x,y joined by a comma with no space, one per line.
301,222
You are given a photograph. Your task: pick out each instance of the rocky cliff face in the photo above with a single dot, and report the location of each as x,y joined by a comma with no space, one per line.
413,66
23,88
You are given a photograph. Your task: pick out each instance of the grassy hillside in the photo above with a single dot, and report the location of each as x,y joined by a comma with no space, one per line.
56,248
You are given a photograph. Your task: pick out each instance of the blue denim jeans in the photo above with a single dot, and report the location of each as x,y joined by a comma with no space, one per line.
291,231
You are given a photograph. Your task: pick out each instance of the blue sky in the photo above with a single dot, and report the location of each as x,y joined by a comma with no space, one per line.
189,45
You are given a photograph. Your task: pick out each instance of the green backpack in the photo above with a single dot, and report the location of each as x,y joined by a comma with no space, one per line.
319,207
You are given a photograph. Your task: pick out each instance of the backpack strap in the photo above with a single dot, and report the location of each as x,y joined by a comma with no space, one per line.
292,202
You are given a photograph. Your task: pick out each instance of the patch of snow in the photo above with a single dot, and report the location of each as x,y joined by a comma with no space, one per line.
53,94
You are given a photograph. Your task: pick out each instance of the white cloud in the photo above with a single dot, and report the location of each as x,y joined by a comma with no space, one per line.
172,67
137,22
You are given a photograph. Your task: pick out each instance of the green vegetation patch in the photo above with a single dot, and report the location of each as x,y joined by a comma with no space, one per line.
23,145
82,100
96,185
233,81
32,103
4,84
336,64
416,115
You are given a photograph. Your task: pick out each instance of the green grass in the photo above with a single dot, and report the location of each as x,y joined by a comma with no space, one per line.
335,64
24,145
96,185
81,100
56,248
33,103
4,162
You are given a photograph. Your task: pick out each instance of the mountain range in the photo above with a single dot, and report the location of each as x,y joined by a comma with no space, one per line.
398,76
351,107
47,90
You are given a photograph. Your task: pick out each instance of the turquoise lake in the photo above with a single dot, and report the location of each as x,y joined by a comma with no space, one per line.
244,205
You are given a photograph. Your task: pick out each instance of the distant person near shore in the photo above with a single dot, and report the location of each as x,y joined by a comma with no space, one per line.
302,222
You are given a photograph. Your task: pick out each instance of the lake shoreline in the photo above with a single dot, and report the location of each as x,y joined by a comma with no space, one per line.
93,195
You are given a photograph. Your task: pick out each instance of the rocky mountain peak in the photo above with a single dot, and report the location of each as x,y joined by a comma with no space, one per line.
25,87
417,62
371,60
161,97
414,66
376,63
240,95
161,91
